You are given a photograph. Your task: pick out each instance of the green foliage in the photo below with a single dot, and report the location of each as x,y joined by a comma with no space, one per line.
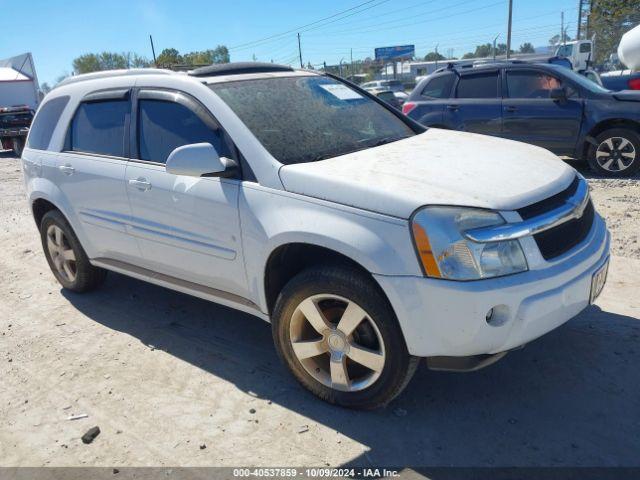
170,57
433,56
486,50
527,48
94,62
609,20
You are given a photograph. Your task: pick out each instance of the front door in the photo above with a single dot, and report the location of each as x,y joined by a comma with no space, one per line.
186,227
531,116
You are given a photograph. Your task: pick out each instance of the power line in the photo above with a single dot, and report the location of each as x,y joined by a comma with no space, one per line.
310,24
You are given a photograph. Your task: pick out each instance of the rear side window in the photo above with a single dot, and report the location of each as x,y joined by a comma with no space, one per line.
165,126
483,85
438,87
99,127
45,122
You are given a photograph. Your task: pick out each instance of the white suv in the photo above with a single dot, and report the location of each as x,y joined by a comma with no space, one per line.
366,240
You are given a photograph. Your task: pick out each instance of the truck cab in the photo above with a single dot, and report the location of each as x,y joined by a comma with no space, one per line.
578,52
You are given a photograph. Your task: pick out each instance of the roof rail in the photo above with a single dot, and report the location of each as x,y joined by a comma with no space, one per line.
114,73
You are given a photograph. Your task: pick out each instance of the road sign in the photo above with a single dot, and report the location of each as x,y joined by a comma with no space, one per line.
398,52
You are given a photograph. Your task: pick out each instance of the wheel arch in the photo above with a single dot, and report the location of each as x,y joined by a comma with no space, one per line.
289,259
606,125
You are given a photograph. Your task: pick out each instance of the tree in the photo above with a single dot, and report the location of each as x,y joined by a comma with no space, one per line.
609,20
527,48
94,62
168,57
45,88
433,56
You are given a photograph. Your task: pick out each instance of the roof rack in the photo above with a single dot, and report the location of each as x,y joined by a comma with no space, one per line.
238,68
114,73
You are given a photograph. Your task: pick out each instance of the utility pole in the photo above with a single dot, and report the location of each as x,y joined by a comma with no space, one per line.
153,51
300,51
579,19
509,29
437,55
494,46
352,64
562,27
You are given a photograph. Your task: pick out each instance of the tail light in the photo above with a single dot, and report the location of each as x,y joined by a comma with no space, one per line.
634,84
408,106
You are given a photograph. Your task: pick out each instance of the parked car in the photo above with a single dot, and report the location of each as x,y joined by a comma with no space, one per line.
14,126
394,86
545,105
621,80
366,241
387,96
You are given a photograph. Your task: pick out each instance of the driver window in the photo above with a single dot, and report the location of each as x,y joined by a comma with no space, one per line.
165,126
530,84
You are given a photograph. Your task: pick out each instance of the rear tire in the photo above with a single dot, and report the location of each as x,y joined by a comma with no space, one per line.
66,257
17,145
616,154
370,333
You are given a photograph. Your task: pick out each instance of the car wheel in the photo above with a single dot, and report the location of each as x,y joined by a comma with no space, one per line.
66,257
337,333
616,152
17,145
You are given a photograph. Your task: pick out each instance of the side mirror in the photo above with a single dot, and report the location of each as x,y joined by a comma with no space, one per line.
558,94
199,160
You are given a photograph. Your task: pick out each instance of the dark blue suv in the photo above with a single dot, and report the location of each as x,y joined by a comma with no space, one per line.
542,104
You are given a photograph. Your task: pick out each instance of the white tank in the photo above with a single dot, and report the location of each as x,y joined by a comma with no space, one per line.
629,48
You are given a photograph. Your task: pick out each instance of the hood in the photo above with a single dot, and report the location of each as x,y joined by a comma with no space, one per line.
438,167
628,95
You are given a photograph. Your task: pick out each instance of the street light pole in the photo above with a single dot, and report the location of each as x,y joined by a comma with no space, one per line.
509,29
494,46
300,51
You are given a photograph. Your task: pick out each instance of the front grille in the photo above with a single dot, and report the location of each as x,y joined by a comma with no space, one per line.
559,240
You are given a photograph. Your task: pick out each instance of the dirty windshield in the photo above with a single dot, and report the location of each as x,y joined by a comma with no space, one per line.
305,119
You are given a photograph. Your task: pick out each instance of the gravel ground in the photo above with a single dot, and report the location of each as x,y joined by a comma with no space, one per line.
172,380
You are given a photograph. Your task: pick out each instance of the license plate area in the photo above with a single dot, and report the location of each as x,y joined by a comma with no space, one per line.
598,279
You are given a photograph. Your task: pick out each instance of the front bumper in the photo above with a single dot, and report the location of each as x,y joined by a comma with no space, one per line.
449,318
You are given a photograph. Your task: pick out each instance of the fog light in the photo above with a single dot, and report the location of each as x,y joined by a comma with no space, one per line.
498,316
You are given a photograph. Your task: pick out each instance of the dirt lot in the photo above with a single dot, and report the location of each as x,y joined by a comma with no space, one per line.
163,374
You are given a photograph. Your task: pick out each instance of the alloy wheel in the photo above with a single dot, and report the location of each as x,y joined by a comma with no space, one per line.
337,342
615,154
62,255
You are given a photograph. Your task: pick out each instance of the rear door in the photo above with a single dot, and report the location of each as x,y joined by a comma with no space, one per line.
186,227
90,172
476,105
531,116
432,98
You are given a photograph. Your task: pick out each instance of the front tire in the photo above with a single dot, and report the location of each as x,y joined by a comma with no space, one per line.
66,257
616,153
17,145
337,333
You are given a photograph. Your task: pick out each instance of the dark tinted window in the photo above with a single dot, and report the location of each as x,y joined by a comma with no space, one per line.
483,85
99,127
530,84
165,126
45,122
439,87
585,47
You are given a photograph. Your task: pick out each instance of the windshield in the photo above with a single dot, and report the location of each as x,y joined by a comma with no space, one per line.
564,51
304,119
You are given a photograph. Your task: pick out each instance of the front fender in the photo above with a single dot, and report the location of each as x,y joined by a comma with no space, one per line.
272,218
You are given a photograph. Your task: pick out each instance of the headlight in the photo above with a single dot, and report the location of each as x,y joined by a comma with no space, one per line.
445,253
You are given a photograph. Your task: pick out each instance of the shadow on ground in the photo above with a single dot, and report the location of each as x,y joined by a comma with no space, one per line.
570,398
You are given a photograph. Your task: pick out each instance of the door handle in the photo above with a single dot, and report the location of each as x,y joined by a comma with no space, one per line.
140,183
453,107
510,108
66,169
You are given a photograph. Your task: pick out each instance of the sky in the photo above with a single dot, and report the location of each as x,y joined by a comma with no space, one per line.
56,32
